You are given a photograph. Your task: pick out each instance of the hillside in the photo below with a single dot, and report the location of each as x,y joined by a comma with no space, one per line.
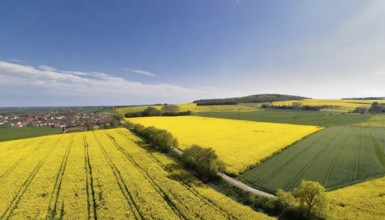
248,99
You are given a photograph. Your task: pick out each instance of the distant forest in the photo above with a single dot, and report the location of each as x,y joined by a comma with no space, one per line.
365,98
249,99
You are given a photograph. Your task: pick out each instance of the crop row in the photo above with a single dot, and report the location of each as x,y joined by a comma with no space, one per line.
103,175
335,157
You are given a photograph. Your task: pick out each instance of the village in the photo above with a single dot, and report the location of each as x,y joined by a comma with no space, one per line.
58,118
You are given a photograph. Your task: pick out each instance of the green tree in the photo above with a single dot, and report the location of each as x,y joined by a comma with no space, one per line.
151,111
309,198
376,107
114,123
164,140
138,128
296,105
170,108
89,126
203,160
286,197
312,197
360,109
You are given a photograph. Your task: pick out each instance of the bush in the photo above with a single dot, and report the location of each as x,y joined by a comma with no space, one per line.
138,128
361,110
160,139
203,160
376,108
307,201
170,108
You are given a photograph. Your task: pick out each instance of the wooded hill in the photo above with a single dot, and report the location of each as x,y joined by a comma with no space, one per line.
248,99
365,98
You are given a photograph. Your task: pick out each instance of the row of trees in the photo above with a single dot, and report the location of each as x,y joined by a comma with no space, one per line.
297,106
166,110
365,98
374,108
159,138
128,106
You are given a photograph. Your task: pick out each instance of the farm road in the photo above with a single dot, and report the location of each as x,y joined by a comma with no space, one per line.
244,187
235,182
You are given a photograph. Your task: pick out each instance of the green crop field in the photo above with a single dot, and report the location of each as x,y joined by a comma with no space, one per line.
26,132
335,157
324,119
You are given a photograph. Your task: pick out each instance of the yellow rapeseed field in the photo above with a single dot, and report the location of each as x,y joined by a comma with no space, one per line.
238,143
103,175
218,108
194,108
361,201
344,105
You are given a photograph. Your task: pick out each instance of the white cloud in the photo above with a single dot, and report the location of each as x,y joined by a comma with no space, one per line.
47,68
27,85
77,73
142,72
16,60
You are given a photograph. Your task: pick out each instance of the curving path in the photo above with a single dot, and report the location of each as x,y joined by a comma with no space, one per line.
235,182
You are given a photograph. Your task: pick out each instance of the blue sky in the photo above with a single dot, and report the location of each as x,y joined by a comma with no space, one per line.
150,51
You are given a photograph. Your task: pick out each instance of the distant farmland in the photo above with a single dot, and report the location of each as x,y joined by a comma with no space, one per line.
26,132
335,157
338,104
193,107
103,175
325,119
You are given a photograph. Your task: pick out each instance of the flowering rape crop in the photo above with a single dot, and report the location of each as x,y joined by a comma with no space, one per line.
343,105
238,143
195,108
361,201
103,175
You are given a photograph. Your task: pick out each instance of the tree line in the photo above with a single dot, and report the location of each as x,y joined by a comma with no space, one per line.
166,110
298,106
128,106
374,108
365,98
160,139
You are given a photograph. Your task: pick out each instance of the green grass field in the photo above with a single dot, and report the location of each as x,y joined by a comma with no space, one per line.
26,132
335,157
324,119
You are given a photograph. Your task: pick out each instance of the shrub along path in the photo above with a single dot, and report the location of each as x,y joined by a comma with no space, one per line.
235,182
